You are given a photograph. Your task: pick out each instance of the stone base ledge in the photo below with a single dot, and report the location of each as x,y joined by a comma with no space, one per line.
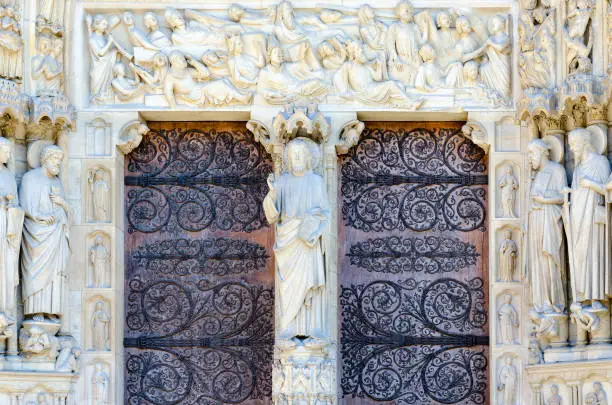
579,353
25,381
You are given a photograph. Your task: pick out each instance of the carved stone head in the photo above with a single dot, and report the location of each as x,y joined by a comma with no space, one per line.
538,153
100,25
150,21
51,159
298,157
405,11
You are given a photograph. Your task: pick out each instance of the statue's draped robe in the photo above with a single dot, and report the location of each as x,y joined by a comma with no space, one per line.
543,251
507,260
301,211
45,248
11,221
588,218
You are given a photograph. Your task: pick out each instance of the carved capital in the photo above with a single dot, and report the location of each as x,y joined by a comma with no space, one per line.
476,132
296,121
549,124
131,135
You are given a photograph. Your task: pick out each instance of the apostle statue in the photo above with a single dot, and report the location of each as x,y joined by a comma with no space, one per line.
45,247
590,276
297,203
507,383
507,257
543,253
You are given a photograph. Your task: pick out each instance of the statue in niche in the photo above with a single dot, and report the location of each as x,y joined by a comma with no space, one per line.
508,321
404,39
507,257
495,71
99,258
579,34
277,86
126,89
41,399
137,37
243,68
297,203
100,321
99,188
543,252
598,396
508,184
46,69
67,359
156,37
587,218
100,382
180,84
45,245
103,51
555,398
362,79
11,223
507,383
11,44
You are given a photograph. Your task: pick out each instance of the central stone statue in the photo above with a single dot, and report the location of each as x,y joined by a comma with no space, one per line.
297,203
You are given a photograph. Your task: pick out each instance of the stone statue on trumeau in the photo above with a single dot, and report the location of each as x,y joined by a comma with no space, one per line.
45,244
508,321
543,250
555,398
508,184
590,275
507,383
508,251
297,203
596,397
99,188
100,385
100,321
99,260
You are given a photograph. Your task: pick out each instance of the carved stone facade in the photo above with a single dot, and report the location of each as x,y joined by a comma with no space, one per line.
92,221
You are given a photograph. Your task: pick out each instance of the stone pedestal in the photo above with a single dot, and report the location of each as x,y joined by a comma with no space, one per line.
38,345
304,373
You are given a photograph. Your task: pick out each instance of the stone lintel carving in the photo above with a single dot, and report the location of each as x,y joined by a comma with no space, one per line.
476,132
131,136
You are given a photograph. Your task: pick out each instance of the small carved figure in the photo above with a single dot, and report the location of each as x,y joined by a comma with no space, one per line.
243,68
507,383
126,89
100,321
404,39
156,37
507,257
585,318
535,353
579,35
508,185
136,36
132,138
297,203
508,321
598,396
41,399
11,65
100,382
67,359
332,53
34,341
46,69
555,398
100,195
45,245
99,258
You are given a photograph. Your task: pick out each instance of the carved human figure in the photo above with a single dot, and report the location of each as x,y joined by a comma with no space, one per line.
579,37
125,88
156,36
41,399
332,53
534,353
11,44
362,79
184,34
46,70
555,398
100,382
155,77
297,203
100,321
277,86
508,184
404,39
372,33
45,245
103,53
495,71
587,216
586,320
99,188
507,383
99,258
67,359
243,68
598,396
508,251
34,341
508,320
137,37
180,84
11,222
543,252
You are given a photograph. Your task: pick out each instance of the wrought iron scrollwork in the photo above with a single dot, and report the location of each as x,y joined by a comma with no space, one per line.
213,256
206,343
410,341
430,254
417,180
194,180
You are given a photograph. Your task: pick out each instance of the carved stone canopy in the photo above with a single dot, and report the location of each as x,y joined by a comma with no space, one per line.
295,122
